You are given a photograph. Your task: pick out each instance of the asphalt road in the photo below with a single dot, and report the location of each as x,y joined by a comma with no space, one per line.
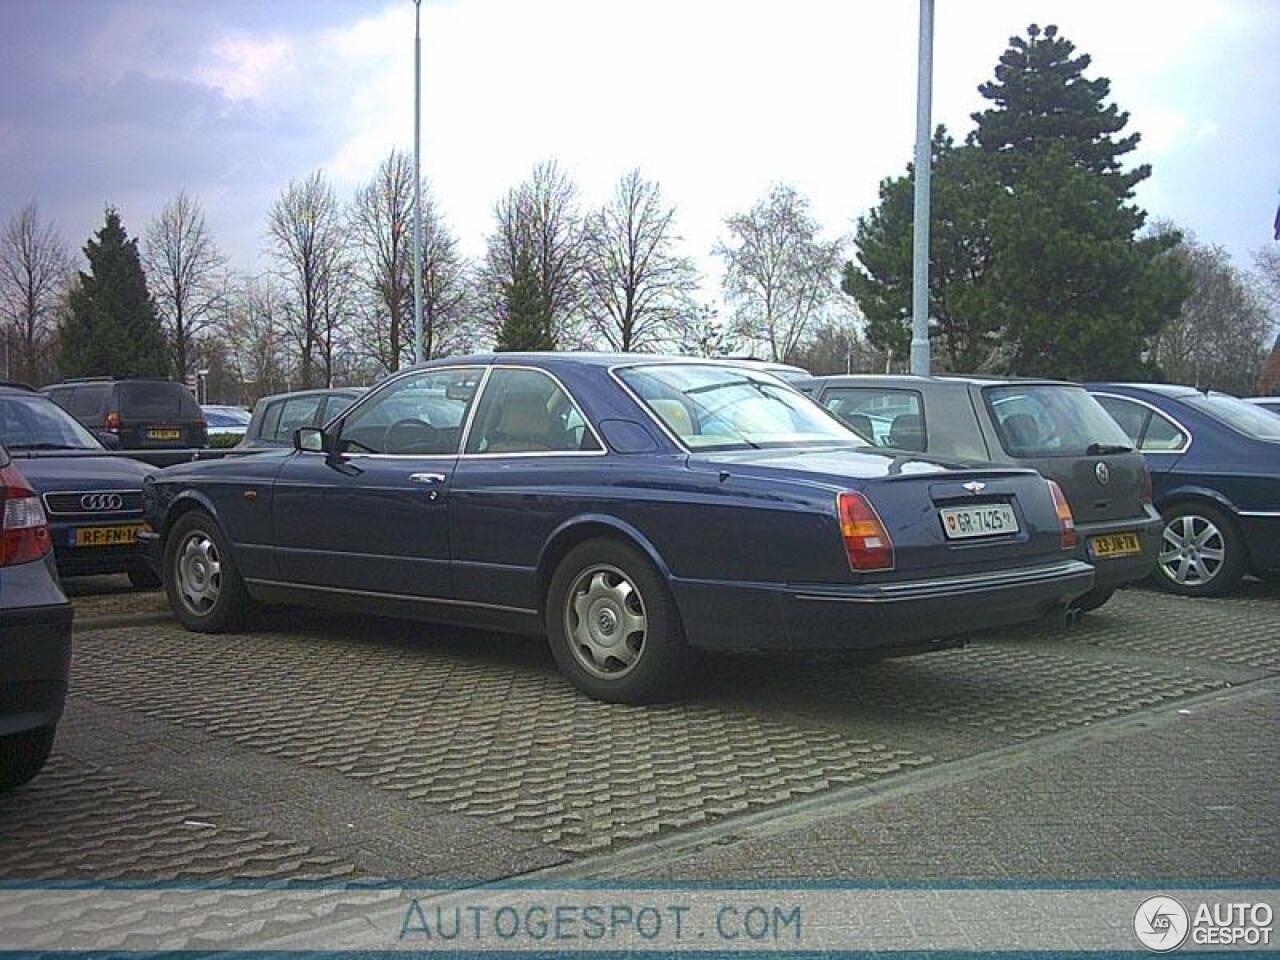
1139,746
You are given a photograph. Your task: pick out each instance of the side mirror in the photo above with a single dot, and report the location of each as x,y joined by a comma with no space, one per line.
310,440
108,440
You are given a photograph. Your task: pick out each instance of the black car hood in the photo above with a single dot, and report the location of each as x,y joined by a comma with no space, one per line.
52,470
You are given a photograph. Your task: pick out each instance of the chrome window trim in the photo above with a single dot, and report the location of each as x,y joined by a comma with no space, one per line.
320,588
1258,513
528,454
1154,409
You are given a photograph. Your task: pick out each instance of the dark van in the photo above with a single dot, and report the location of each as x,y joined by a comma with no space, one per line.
139,414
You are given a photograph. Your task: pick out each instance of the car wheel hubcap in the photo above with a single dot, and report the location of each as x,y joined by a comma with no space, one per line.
199,573
605,622
1193,550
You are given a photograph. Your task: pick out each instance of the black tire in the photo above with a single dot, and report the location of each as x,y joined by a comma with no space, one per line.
23,755
231,605
142,577
1093,599
1226,576
661,665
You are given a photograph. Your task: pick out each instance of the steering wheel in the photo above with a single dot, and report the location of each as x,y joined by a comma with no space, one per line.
411,435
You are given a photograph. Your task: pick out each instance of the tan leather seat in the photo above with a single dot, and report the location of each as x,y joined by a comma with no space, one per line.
674,415
524,425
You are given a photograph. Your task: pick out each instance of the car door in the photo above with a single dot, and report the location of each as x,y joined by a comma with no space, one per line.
371,515
530,458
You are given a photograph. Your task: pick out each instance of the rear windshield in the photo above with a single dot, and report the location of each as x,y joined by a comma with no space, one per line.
1051,420
1247,418
145,400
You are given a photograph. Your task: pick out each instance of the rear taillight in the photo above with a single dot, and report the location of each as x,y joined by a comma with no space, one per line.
111,422
865,539
1066,523
1147,495
24,531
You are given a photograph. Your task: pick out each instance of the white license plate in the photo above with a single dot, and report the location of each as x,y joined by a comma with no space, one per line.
983,520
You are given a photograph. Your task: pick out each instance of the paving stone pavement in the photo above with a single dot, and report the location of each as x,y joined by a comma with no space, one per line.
370,748
1190,798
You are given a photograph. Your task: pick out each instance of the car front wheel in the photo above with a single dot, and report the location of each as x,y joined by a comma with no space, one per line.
613,626
201,580
1201,552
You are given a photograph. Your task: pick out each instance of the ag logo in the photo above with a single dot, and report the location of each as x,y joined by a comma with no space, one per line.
1161,924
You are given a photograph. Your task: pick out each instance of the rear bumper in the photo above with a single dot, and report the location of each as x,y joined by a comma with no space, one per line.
901,614
1117,571
35,660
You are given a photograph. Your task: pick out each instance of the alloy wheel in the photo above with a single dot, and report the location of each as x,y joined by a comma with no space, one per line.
605,621
1193,550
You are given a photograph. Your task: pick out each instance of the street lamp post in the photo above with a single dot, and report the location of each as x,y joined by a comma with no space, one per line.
923,172
417,182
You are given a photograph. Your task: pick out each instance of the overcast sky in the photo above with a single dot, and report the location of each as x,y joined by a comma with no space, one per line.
126,101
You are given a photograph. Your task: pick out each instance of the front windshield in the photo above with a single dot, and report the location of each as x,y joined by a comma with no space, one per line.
710,407
37,423
1247,418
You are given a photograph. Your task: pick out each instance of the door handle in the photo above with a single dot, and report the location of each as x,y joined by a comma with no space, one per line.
430,479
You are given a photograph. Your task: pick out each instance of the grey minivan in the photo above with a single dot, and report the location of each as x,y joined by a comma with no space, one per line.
1054,427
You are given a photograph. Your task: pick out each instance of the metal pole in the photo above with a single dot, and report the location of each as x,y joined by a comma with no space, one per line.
417,182
923,171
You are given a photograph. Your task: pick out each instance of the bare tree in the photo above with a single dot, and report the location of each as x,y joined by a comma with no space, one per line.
1219,338
184,272
537,230
779,276
639,291
33,277
382,224
253,323
305,226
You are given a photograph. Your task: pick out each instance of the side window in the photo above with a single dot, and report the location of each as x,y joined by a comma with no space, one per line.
61,397
335,405
421,414
888,418
1131,416
271,420
1162,436
526,411
294,414
86,402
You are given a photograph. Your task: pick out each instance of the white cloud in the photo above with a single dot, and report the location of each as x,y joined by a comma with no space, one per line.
244,67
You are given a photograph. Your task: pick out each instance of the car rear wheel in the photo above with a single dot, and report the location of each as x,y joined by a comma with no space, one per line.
1201,552
1093,600
204,588
23,755
613,627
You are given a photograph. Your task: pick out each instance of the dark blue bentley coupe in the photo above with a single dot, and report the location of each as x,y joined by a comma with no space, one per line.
628,507
1215,472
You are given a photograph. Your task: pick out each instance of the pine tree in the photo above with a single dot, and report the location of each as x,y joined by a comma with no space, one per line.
1042,101
526,322
112,328
959,254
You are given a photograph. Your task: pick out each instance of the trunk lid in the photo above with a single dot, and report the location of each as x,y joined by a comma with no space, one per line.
913,496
